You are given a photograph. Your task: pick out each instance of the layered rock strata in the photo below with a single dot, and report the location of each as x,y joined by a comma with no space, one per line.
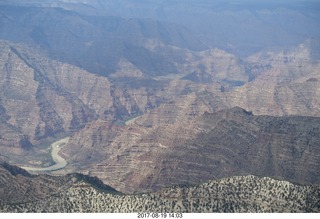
145,156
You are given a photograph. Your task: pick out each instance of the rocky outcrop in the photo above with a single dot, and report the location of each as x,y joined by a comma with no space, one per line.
79,193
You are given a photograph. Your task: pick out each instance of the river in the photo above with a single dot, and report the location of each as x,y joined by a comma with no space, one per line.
130,121
60,162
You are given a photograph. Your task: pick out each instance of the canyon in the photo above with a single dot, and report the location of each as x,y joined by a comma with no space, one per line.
157,111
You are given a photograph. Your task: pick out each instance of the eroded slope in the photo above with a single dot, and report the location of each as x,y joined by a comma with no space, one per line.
215,145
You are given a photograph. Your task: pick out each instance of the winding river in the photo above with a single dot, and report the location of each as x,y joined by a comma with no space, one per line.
60,162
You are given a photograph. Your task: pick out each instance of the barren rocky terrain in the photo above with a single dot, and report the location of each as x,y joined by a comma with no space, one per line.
41,101
215,145
181,94
44,99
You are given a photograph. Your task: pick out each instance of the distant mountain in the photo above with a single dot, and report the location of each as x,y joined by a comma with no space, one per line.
80,193
96,44
240,27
